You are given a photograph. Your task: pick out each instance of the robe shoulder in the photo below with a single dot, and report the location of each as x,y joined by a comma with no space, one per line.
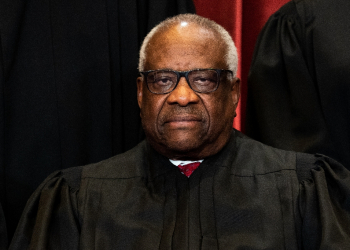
55,203
324,203
323,190
125,165
256,158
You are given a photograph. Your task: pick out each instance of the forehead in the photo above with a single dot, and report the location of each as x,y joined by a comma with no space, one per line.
184,48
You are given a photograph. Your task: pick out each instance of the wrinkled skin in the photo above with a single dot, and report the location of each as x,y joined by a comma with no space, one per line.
183,124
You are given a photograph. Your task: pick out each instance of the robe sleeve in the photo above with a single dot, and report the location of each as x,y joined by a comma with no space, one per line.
325,206
283,107
50,219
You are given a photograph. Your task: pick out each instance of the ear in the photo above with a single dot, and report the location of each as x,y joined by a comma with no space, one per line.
139,82
236,90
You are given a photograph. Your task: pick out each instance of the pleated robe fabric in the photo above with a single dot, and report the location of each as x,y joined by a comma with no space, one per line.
68,72
298,87
248,196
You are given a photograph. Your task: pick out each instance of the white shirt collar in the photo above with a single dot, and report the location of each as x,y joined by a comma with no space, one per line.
177,163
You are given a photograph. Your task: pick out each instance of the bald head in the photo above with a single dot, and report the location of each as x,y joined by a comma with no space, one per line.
196,27
181,41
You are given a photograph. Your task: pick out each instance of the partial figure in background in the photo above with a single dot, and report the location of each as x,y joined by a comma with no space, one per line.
299,81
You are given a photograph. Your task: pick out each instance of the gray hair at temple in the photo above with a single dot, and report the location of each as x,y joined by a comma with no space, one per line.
231,51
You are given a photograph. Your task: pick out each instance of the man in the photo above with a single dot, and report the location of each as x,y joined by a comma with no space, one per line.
244,195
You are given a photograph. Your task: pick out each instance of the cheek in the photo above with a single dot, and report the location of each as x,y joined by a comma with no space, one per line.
151,107
221,112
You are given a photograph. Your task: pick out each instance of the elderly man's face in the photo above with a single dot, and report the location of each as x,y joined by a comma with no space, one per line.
184,124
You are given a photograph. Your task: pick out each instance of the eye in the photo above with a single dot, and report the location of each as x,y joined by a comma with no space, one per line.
203,81
163,80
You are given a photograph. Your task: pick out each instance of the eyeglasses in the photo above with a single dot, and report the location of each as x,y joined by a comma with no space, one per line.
199,80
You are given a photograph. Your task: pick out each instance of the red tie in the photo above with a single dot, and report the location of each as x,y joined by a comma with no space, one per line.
188,169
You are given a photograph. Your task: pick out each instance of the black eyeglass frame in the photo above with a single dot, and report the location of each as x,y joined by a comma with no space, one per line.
185,74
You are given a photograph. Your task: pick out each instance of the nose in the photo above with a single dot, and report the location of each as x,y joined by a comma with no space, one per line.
183,94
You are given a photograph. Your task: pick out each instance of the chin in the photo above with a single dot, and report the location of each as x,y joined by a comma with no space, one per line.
185,145
179,149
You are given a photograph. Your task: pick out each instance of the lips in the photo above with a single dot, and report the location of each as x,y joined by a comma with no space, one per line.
176,117
182,122
183,118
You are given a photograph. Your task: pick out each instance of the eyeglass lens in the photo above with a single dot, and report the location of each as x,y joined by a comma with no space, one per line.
162,81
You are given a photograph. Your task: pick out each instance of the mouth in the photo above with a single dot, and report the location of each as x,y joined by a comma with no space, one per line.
183,118
186,121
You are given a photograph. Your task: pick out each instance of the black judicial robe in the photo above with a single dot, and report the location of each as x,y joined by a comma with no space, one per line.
298,87
68,73
248,196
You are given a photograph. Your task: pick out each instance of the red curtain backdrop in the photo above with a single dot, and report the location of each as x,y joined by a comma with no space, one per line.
243,20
